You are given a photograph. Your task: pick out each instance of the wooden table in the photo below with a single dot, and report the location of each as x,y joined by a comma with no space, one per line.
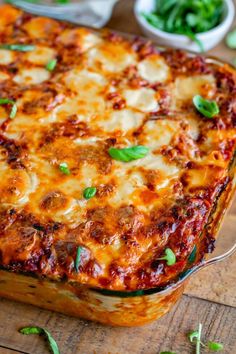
210,297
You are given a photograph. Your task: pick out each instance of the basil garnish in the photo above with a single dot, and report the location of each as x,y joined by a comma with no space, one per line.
63,167
77,259
89,192
14,106
208,108
51,65
18,47
169,257
128,154
41,331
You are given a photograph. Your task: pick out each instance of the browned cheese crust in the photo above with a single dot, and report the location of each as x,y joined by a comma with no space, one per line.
106,91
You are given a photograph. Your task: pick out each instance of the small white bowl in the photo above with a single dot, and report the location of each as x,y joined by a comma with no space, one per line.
209,39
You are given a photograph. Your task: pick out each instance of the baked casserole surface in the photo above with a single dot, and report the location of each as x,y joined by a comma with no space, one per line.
106,91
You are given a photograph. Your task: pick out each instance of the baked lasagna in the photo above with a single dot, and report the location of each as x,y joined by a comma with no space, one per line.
114,155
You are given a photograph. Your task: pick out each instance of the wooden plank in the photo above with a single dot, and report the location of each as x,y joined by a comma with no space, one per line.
75,336
10,351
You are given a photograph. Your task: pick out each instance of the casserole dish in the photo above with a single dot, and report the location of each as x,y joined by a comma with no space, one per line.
113,185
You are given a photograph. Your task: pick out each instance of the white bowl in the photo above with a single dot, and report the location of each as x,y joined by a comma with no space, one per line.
209,39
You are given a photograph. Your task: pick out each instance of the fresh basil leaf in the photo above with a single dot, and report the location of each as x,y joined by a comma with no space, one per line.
215,347
51,65
128,154
63,167
12,103
41,331
78,258
208,108
18,47
89,192
167,352
169,257
231,39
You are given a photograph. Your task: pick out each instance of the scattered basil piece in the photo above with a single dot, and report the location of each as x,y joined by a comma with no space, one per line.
63,167
234,61
14,106
18,47
192,255
128,154
78,258
167,352
215,347
51,65
41,331
169,257
231,39
89,192
208,108
195,337
187,17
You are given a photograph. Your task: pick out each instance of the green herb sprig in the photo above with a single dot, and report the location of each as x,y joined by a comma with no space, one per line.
63,167
89,192
187,17
195,337
128,154
41,331
78,258
51,65
207,108
12,103
18,47
169,257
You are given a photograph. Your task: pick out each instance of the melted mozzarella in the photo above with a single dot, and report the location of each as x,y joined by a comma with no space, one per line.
81,37
154,69
40,55
31,76
142,99
123,120
3,76
16,186
6,57
185,88
160,132
111,57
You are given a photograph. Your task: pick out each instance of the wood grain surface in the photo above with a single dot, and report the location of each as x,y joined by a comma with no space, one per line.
210,297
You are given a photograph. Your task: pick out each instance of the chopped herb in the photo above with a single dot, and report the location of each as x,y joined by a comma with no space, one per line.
193,254
12,103
215,347
18,47
195,337
167,353
169,257
208,108
51,65
89,192
63,167
231,39
77,259
187,17
41,331
128,154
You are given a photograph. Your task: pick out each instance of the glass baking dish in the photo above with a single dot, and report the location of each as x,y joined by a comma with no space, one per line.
115,307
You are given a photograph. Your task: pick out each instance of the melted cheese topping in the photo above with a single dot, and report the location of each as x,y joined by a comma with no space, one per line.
31,76
154,69
103,94
142,99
